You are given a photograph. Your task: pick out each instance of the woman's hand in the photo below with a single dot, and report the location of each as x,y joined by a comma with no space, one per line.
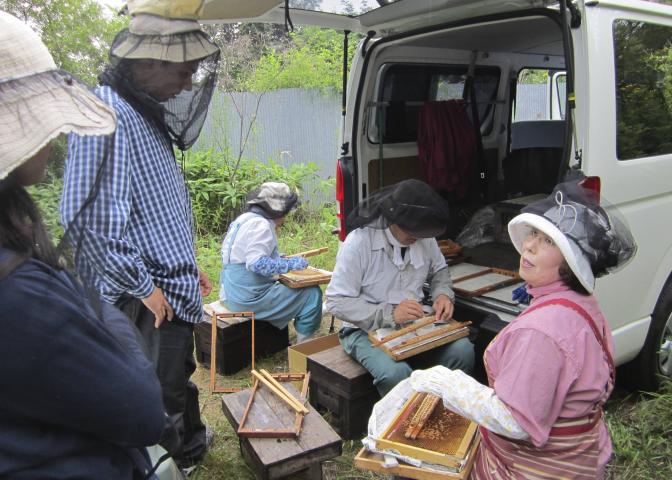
159,306
443,307
434,380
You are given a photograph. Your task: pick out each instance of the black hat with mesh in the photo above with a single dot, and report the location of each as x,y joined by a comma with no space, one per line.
412,205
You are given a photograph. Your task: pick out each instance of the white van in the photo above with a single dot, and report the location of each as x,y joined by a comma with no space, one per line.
607,112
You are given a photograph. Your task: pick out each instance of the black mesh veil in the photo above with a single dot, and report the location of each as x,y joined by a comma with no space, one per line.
412,205
596,226
180,104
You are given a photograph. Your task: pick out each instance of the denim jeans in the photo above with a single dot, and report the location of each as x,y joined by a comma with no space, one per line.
386,372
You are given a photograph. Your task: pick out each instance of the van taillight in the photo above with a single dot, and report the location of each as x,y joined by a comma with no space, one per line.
340,197
594,184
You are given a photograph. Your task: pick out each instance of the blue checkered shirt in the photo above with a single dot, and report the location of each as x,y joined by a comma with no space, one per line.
139,233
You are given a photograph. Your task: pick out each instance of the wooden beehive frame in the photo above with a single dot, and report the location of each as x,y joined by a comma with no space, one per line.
314,276
439,336
276,432
512,277
213,349
455,460
421,415
375,462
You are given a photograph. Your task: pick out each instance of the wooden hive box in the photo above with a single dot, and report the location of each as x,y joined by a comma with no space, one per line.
272,458
446,439
375,462
343,387
234,343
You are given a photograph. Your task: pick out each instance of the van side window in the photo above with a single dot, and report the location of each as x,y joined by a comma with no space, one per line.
403,89
643,63
540,95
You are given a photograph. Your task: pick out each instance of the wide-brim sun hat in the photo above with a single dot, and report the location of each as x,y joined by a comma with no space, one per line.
38,101
151,37
274,198
519,228
591,233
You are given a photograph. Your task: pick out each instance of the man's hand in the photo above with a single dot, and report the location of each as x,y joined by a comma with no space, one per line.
159,306
443,308
204,283
408,310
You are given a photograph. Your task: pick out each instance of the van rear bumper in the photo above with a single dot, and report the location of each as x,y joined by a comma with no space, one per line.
629,339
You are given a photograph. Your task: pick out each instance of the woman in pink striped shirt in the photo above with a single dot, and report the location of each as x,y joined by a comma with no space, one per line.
551,370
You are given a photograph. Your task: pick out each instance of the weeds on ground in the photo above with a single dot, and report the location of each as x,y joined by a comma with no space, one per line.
641,431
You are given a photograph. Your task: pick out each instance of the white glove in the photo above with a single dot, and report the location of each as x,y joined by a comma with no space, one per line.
465,396
435,380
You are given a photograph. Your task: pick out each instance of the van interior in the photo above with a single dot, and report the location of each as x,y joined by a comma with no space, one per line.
453,107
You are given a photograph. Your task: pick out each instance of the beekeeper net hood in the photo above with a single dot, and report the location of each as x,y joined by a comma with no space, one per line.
166,69
412,205
591,234
272,200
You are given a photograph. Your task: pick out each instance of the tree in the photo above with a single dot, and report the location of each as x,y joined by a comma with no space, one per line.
76,32
241,46
314,59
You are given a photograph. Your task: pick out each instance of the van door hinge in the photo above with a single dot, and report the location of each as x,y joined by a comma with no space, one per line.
369,35
575,21
578,157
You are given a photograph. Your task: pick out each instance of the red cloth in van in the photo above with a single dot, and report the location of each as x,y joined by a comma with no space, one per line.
447,146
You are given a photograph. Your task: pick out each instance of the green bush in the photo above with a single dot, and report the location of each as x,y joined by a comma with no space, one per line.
47,196
219,184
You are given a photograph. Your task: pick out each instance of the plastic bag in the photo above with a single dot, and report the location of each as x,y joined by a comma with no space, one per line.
485,226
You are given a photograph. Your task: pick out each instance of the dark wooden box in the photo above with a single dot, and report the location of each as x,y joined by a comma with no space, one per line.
276,458
343,387
234,343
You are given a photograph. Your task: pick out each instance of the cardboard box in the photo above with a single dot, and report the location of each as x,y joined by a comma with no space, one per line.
297,355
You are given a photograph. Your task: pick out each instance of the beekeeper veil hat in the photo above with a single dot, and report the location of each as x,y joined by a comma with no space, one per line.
591,234
412,205
272,200
166,68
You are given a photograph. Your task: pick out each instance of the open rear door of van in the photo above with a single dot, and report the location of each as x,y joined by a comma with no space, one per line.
392,16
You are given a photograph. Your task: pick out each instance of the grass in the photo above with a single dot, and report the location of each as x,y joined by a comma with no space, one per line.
641,430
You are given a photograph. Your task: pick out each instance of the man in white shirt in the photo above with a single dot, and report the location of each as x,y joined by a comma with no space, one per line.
379,274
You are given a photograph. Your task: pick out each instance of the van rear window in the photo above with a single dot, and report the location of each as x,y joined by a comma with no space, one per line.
643,62
405,88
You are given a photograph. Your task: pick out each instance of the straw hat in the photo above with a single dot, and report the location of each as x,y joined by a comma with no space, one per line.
38,102
158,38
